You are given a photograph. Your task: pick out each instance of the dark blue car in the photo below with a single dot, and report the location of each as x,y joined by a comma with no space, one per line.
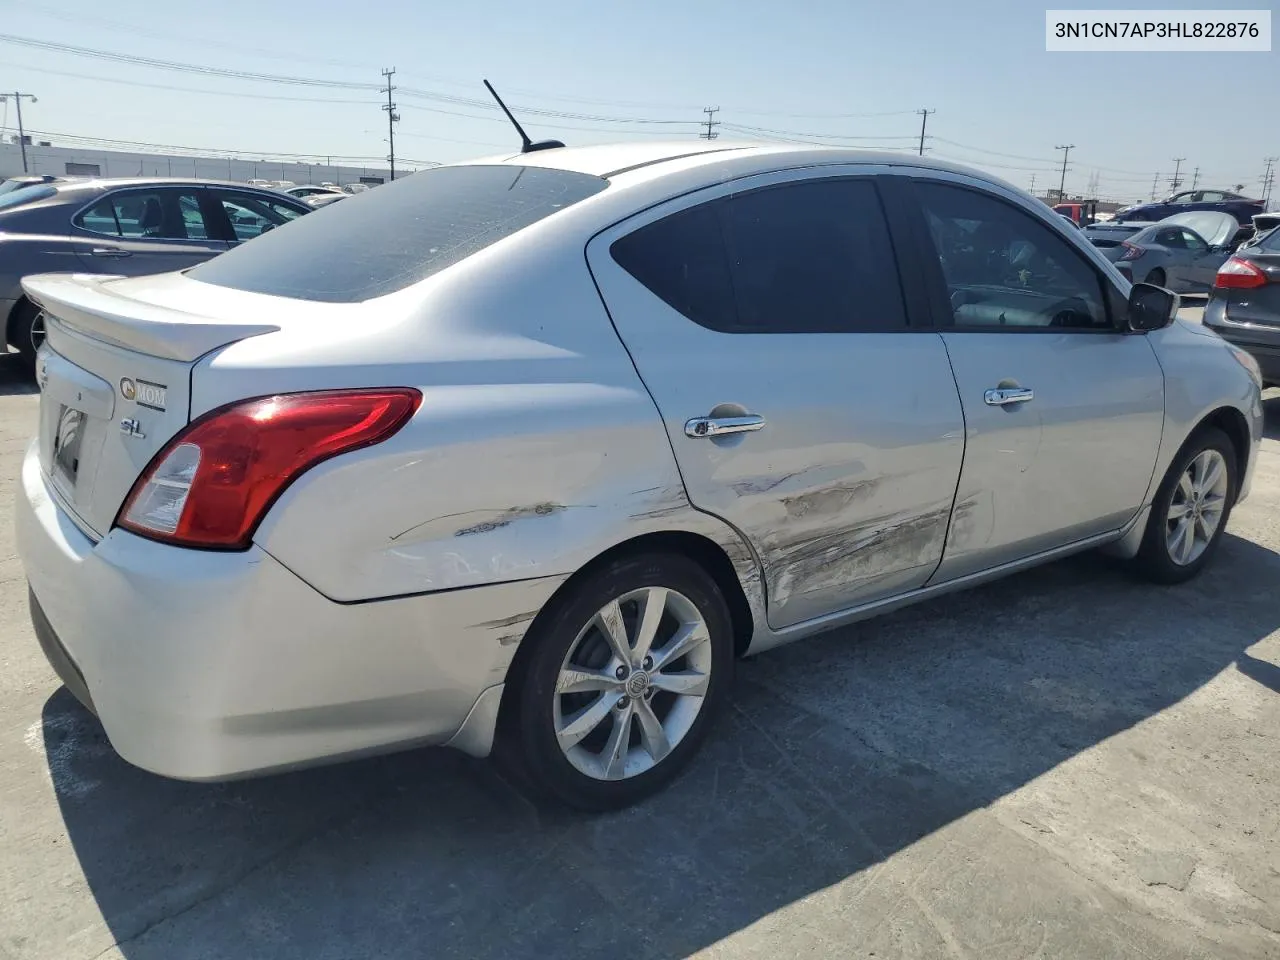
1242,208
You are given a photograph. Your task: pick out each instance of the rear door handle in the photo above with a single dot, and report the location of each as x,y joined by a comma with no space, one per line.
110,252
700,427
1003,396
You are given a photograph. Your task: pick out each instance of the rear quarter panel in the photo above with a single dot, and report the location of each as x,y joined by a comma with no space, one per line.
535,449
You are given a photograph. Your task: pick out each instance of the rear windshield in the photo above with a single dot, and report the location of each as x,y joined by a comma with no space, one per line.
16,198
387,238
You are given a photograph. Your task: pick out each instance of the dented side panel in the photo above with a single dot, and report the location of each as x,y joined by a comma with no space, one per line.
846,492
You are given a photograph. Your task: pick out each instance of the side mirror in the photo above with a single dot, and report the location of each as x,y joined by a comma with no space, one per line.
1151,307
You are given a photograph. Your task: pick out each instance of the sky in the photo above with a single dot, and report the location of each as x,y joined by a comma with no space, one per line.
850,73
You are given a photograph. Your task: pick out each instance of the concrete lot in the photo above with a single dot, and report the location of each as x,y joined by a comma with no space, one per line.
1065,764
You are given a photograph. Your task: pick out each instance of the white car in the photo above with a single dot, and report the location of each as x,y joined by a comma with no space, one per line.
519,455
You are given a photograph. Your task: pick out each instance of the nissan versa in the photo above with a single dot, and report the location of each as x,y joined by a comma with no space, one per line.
519,455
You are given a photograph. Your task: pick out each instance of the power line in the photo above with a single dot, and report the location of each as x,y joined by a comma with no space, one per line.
109,143
183,67
746,128
204,90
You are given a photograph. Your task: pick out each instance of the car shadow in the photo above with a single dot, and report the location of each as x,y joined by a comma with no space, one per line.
15,378
837,753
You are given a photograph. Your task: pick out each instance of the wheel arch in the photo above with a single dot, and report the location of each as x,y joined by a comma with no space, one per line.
704,551
14,312
1234,424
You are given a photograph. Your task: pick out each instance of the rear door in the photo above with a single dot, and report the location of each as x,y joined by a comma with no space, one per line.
1063,411
143,230
1203,260
769,323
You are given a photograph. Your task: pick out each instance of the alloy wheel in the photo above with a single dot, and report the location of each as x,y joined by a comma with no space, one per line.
1196,508
632,683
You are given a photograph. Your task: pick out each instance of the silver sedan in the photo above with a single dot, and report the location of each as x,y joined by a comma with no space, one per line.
519,456
1182,252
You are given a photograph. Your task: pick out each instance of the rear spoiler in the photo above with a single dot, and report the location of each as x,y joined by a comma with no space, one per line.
86,304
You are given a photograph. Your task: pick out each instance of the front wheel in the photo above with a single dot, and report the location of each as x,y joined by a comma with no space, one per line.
622,681
1191,509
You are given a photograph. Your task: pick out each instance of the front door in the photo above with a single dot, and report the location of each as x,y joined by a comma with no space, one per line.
1063,412
768,322
140,231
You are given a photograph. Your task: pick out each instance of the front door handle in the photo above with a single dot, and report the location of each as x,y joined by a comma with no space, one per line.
110,252
700,427
1003,396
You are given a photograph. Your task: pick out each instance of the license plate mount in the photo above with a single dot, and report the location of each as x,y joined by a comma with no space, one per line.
66,445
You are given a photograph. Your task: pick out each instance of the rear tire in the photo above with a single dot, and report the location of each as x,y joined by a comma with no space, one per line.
26,331
1156,277
1191,509
599,725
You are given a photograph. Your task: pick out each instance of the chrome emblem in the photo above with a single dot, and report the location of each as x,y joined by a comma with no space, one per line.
637,684
128,389
132,428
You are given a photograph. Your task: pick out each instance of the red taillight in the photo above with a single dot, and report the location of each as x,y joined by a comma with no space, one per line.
212,483
1237,274
1131,251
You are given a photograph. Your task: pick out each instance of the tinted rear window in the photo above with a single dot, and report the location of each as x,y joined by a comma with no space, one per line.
807,257
387,238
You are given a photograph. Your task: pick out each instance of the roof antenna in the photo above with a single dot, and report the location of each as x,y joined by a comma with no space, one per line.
527,145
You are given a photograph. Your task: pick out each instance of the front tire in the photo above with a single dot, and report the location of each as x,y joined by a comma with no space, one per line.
1191,509
624,676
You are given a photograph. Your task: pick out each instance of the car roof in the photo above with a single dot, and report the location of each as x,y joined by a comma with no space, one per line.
654,160
108,183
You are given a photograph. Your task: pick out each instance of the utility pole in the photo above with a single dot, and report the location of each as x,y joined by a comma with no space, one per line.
1268,179
924,119
711,123
1066,149
22,137
392,119
1176,182
1155,184
1032,188
1195,178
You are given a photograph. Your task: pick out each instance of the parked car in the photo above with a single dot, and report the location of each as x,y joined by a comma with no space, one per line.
312,190
128,227
1112,233
324,199
518,456
25,180
1242,208
1244,307
1264,223
1182,252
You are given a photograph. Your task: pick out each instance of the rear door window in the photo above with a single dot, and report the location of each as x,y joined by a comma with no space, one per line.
161,214
806,257
405,231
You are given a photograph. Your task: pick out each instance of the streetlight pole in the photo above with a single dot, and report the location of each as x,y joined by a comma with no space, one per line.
22,137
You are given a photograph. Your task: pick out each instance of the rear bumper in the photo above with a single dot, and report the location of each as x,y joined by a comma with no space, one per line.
1262,343
208,666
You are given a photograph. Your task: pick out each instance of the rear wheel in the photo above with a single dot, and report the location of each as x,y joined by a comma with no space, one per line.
1156,277
1191,509
26,331
623,678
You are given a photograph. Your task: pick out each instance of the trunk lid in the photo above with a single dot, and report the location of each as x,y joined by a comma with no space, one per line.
115,379
1259,305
